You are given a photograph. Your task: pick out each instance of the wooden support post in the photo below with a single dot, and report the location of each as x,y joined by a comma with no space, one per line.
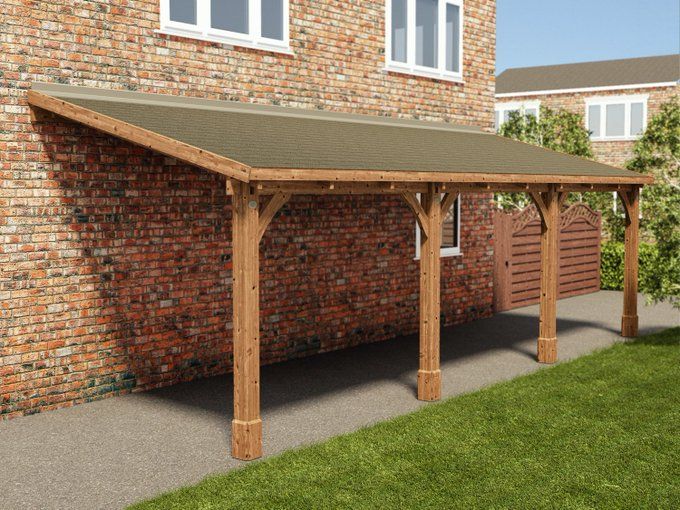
429,374
548,205
246,432
629,320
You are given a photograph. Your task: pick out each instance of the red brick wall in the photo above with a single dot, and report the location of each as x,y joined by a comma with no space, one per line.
611,152
116,262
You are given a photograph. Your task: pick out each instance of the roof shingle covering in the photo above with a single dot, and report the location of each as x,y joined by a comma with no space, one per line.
608,73
286,138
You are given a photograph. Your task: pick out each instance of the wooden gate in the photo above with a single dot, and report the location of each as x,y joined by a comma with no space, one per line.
517,259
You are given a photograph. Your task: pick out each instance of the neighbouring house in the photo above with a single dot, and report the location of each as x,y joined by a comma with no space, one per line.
616,97
148,144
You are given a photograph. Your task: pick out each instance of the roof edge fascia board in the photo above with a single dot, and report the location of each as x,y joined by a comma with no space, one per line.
588,89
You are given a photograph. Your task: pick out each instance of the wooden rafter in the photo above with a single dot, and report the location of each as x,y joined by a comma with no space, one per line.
140,136
269,211
412,201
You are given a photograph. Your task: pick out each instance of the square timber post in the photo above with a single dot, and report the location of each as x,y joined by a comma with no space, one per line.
629,320
548,205
429,373
246,428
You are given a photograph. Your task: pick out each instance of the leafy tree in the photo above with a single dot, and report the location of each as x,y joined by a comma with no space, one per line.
657,153
561,131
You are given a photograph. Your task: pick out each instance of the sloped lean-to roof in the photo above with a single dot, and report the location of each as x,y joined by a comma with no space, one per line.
253,142
608,73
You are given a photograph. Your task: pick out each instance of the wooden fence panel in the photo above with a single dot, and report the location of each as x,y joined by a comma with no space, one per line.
517,262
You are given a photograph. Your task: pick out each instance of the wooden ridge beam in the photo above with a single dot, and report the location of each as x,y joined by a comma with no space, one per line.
140,136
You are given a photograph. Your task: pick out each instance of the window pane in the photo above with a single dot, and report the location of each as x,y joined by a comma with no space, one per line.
452,38
399,30
506,115
272,19
616,120
229,15
183,11
594,120
531,112
498,120
636,119
450,227
426,32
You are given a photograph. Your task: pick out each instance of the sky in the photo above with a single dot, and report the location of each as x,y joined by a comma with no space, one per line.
544,32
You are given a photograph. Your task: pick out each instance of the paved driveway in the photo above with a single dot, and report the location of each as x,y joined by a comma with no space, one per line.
114,452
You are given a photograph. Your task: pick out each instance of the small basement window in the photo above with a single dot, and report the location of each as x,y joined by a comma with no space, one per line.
616,117
450,232
261,24
425,38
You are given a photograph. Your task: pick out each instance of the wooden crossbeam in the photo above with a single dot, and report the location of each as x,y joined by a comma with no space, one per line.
344,175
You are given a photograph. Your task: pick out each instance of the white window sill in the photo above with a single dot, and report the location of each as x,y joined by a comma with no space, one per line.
616,139
434,74
445,253
231,41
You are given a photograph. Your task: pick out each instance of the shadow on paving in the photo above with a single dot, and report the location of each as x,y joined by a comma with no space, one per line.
397,360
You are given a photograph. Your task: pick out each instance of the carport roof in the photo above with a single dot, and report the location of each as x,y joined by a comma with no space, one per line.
252,142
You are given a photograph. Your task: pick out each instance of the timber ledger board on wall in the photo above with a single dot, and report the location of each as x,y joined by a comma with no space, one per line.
517,255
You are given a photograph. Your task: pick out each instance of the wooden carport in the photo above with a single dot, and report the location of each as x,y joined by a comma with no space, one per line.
270,153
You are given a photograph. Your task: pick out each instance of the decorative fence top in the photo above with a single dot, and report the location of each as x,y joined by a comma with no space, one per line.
573,213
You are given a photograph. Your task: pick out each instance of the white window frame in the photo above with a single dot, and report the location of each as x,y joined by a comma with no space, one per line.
204,32
520,106
410,67
627,101
448,251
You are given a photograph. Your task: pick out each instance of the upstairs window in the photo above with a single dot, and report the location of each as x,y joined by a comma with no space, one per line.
259,24
425,38
450,232
528,108
616,117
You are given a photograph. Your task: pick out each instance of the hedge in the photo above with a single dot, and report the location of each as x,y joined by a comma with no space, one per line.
611,265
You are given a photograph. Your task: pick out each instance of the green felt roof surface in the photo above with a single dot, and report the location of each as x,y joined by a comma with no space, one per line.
276,137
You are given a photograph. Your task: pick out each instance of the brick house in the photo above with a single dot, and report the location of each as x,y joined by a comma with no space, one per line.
615,97
116,260
147,146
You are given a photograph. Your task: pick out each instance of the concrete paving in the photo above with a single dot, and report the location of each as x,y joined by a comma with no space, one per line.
114,452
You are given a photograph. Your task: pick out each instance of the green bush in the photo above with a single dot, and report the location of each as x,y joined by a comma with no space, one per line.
611,266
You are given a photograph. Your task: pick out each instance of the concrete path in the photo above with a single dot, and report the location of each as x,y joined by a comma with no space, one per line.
110,453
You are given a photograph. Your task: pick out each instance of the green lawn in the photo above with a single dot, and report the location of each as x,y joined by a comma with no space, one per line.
602,431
